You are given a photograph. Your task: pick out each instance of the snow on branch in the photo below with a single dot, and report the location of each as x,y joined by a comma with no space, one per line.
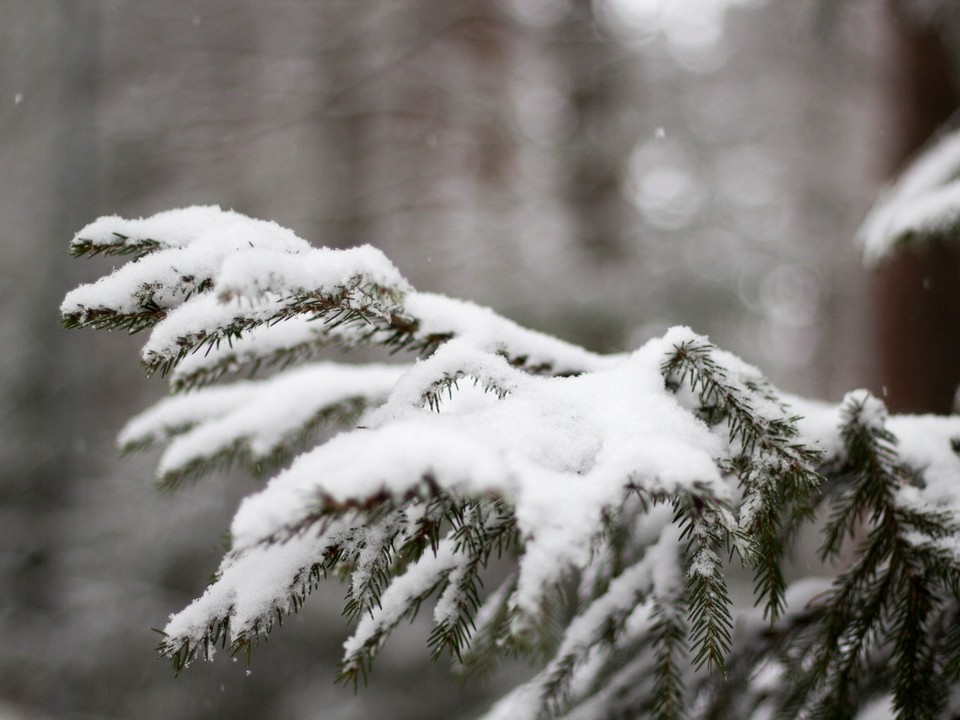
277,345
215,278
776,471
618,489
263,424
534,447
923,205
190,246
252,591
113,235
901,581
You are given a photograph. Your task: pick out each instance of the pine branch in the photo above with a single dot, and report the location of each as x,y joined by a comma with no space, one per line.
890,595
600,626
668,636
119,246
480,529
213,278
707,529
401,600
261,424
239,452
209,322
251,593
776,471
273,346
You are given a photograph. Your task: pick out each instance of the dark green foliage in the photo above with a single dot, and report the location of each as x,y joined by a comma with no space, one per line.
776,471
668,638
886,603
475,531
137,248
354,303
707,530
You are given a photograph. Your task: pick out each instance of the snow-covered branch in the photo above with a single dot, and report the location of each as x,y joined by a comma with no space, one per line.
615,489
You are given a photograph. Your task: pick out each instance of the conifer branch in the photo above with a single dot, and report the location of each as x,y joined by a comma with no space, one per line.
707,529
402,600
239,452
480,530
668,637
776,471
208,325
259,424
119,246
251,594
888,598
274,346
491,632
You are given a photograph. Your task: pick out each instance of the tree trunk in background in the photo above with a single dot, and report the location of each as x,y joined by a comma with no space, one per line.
594,181
917,307
46,398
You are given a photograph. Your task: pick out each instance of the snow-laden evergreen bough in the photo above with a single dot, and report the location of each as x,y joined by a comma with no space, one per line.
584,511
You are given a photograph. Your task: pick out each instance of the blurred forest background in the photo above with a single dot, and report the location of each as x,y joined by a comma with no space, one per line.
600,170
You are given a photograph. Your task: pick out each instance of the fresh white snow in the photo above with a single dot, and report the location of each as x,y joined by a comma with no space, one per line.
557,433
925,200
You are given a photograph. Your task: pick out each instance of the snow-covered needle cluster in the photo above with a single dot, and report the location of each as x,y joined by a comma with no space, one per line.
545,501
923,205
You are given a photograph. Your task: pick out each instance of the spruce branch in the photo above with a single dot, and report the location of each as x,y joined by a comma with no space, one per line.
776,471
274,346
119,245
259,424
707,529
601,627
251,594
239,452
480,529
402,600
215,321
889,598
668,637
